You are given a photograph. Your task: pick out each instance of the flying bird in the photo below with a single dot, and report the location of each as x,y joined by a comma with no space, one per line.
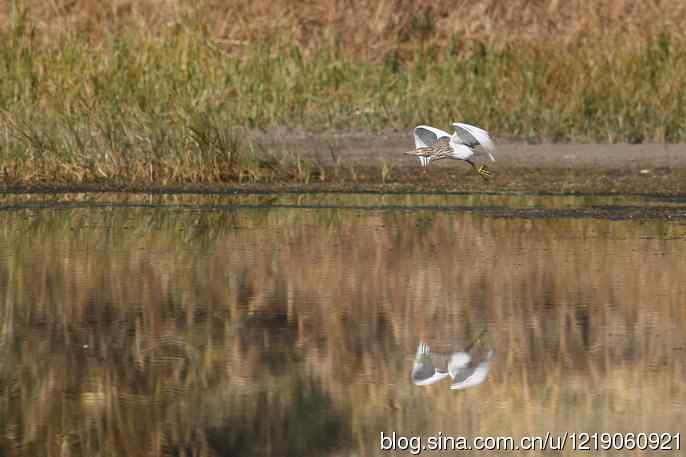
435,144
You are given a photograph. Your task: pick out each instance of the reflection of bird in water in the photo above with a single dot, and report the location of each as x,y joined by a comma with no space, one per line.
424,371
435,144
467,369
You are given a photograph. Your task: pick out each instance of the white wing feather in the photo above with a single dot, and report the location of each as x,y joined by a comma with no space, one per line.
476,377
425,136
461,151
424,372
473,136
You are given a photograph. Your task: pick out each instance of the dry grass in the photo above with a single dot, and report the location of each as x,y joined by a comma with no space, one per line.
196,325
366,27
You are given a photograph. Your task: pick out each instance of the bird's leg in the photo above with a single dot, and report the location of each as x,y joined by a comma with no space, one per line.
483,171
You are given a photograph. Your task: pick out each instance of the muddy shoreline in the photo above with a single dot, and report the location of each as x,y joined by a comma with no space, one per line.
353,162
519,167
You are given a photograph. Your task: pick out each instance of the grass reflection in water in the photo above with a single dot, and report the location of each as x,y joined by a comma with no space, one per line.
292,332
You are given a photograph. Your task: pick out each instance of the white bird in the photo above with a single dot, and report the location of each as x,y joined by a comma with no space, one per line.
467,369
435,144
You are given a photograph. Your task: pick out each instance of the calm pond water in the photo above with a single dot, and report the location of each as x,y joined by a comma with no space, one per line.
225,325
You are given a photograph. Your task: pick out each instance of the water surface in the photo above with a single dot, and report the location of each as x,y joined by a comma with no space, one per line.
287,324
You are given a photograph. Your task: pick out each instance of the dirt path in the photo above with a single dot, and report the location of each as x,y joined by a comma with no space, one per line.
558,168
365,162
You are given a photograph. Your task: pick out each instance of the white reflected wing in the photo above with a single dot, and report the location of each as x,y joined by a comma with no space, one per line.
475,376
423,370
425,136
459,361
473,136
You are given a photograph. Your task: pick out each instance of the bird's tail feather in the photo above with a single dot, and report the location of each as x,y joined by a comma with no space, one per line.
422,154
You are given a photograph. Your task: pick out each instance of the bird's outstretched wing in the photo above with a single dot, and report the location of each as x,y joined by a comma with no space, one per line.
423,371
425,136
473,136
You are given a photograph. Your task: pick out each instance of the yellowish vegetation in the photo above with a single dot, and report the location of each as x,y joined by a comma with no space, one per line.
366,27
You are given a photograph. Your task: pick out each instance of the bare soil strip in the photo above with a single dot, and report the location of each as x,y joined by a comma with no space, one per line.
362,162
519,167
